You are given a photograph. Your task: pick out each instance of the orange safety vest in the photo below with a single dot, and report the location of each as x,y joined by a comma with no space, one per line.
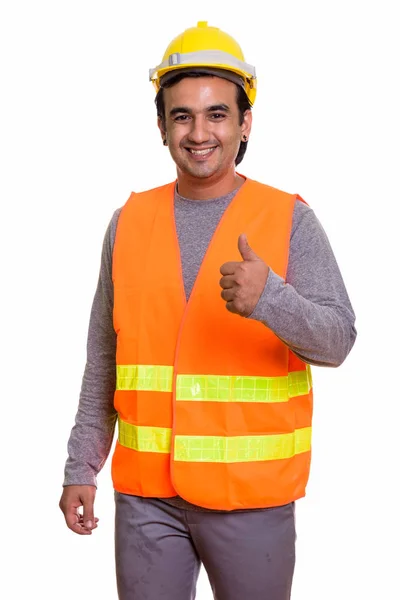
211,406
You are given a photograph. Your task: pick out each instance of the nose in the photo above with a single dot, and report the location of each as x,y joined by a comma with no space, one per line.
199,133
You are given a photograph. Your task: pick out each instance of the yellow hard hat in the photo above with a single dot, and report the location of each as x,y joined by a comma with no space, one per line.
203,47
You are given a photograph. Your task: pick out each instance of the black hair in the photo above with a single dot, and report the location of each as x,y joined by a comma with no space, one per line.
243,104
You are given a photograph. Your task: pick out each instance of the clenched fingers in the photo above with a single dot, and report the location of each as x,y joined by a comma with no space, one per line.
229,268
76,523
228,295
226,282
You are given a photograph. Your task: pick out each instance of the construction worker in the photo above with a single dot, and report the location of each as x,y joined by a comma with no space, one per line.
216,294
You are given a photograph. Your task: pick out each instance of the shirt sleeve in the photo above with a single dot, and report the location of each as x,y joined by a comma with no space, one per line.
310,311
92,435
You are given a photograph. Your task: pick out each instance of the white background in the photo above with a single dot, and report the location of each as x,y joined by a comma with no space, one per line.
78,133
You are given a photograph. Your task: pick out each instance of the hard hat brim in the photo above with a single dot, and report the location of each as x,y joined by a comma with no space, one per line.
207,71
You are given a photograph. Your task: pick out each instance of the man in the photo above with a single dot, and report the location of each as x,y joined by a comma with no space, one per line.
215,295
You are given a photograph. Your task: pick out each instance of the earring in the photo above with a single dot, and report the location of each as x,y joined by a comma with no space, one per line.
165,142
245,138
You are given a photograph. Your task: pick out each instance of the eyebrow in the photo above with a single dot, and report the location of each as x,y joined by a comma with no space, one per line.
187,110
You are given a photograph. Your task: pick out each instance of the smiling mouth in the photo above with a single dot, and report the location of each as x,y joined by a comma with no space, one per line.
203,152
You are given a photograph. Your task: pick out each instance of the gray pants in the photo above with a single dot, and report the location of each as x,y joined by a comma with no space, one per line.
159,549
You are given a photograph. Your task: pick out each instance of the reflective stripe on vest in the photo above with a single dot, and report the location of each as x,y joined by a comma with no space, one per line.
215,448
143,438
214,388
242,448
154,378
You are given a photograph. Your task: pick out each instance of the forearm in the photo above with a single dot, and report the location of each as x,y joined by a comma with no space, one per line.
91,437
319,334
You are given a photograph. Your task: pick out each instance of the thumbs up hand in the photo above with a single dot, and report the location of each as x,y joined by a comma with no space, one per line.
243,282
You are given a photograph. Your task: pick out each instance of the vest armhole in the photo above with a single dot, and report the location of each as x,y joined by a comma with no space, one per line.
114,241
298,197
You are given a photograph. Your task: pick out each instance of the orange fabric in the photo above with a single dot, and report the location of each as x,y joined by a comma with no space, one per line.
156,326
142,473
259,484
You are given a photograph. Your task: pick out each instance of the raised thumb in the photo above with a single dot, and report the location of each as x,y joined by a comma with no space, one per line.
246,252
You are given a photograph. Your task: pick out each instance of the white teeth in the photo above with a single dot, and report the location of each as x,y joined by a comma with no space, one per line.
201,152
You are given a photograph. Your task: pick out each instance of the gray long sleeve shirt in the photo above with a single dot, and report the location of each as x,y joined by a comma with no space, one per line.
310,312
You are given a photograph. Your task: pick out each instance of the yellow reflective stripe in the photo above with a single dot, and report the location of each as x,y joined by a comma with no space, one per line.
214,388
300,382
156,378
144,439
242,448
226,388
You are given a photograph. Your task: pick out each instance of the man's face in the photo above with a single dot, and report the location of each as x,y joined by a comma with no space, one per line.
202,126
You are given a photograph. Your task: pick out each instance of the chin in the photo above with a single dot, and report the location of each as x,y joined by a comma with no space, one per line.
201,171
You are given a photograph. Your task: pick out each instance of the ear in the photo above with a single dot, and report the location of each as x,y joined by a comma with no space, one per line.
247,121
161,128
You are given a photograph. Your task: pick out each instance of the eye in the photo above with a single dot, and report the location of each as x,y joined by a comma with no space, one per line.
217,116
181,118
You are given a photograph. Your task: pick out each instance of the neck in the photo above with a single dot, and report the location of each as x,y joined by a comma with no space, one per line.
197,188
